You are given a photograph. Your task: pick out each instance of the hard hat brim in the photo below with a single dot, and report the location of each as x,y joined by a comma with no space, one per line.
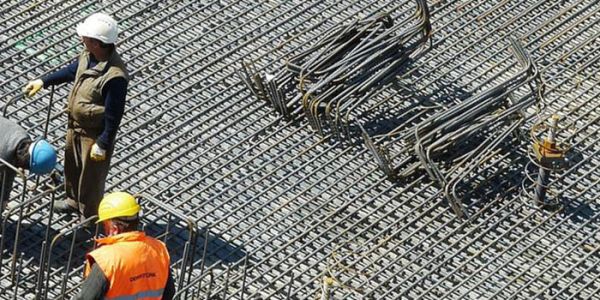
126,213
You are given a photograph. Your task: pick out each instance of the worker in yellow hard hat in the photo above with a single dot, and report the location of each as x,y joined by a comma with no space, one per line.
127,264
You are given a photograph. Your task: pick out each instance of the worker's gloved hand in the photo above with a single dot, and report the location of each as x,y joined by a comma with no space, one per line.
97,153
33,87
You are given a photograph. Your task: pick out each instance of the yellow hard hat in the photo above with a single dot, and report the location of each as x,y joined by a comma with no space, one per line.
118,204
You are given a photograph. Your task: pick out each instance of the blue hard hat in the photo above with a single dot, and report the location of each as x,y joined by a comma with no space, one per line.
42,157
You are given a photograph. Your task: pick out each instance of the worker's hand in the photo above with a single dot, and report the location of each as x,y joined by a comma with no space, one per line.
97,153
33,87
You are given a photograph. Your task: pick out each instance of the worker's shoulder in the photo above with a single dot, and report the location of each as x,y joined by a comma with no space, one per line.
155,241
6,121
158,245
117,71
117,63
10,127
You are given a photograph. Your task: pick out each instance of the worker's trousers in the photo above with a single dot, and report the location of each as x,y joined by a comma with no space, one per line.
84,178
6,180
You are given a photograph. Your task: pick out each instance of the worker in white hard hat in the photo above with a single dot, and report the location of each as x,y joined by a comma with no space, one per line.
95,107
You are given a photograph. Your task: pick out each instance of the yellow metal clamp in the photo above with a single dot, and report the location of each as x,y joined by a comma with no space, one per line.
546,150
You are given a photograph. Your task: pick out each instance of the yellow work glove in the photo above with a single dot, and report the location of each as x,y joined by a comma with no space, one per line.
97,153
33,87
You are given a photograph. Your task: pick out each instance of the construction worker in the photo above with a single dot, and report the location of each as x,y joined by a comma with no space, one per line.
127,264
95,107
17,149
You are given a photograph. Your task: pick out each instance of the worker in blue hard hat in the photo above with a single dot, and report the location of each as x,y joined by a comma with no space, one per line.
95,108
17,149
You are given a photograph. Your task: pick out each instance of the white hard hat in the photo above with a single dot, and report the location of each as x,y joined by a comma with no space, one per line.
99,26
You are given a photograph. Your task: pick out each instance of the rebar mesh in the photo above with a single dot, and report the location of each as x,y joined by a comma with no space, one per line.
275,207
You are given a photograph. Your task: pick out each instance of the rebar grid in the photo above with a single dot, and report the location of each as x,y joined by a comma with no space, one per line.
278,208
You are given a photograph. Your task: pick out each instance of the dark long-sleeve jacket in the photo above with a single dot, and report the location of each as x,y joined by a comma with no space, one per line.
12,138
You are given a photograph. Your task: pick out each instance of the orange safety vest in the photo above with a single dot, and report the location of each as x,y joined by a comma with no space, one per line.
135,265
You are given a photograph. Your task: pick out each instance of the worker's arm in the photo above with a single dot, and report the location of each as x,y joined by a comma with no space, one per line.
94,287
66,74
114,92
169,291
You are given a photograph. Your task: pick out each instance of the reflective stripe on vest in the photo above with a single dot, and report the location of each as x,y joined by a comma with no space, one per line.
140,295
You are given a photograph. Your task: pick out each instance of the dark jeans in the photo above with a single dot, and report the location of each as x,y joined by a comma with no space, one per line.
6,179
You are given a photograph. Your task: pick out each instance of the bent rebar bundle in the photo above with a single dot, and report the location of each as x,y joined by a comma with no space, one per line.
341,72
454,143
464,136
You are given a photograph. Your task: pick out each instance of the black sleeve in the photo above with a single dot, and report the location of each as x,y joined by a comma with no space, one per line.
66,74
114,93
94,287
169,291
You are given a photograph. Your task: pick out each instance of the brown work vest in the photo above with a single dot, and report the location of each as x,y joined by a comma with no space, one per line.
85,103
